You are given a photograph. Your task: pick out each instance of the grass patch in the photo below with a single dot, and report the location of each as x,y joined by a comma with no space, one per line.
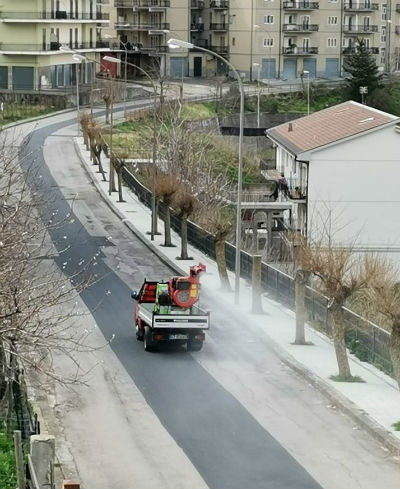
351,378
192,112
8,478
15,113
396,426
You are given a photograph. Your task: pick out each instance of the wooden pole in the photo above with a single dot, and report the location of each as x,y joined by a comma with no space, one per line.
19,462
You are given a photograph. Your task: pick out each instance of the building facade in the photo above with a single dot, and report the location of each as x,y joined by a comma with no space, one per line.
262,38
31,33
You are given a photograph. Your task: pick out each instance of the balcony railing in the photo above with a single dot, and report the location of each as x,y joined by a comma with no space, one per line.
300,27
199,27
52,46
299,51
366,6
360,29
57,15
398,8
222,4
301,5
197,4
141,3
126,26
218,27
353,50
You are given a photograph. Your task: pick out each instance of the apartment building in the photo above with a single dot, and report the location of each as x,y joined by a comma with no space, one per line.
31,33
266,38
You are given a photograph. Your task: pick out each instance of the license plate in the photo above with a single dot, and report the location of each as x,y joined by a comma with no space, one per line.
178,336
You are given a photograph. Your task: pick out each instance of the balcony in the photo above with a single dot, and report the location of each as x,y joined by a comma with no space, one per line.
354,49
52,17
223,50
197,27
398,8
360,7
158,28
301,5
197,4
397,29
218,27
142,4
300,27
219,4
51,47
299,51
360,29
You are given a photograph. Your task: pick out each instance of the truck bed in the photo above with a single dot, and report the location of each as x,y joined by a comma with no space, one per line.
197,319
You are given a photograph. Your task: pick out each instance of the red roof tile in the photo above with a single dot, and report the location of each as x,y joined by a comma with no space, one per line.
327,126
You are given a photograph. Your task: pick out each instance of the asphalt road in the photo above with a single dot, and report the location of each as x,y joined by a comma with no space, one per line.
239,431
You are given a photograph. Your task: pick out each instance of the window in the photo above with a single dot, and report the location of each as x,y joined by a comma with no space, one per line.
383,34
268,19
332,42
383,55
268,42
233,41
332,20
384,10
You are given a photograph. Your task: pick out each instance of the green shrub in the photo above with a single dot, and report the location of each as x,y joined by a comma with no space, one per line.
7,462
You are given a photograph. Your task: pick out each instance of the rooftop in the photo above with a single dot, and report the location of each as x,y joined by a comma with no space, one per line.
328,126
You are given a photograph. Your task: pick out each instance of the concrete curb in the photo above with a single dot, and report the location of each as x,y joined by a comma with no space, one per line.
345,405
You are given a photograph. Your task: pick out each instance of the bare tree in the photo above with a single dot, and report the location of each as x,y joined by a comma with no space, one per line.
97,144
108,96
85,120
184,203
339,273
39,314
166,187
385,292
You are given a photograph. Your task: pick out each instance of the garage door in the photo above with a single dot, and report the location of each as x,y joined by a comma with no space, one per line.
22,78
289,69
177,67
268,70
332,67
310,65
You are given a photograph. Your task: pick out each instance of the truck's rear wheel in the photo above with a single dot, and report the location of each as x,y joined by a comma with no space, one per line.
147,340
139,333
194,345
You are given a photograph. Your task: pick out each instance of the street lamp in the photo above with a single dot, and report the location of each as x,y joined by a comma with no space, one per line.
363,91
154,155
174,43
305,72
257,65
78,60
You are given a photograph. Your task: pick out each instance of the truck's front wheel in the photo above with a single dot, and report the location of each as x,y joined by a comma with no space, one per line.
147,339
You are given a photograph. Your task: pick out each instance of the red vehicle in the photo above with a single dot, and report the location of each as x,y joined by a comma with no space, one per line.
167,312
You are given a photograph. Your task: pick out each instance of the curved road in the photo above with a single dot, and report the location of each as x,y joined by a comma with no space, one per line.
235,416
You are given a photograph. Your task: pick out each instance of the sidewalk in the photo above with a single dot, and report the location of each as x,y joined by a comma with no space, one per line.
374,404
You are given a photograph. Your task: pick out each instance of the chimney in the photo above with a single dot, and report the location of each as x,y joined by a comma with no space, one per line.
290,127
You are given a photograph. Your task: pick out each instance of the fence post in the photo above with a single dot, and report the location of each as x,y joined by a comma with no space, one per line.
256,284
19,459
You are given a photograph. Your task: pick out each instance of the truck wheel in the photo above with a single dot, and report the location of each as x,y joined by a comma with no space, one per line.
194,345
147,343
139,333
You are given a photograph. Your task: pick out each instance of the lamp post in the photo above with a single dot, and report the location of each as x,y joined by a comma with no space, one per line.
363,91
78,60
257,65
305,72
154,155
174,43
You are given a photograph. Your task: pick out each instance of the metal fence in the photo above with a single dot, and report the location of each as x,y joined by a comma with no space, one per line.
365,339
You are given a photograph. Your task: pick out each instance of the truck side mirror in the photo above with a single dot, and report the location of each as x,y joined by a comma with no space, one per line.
134,295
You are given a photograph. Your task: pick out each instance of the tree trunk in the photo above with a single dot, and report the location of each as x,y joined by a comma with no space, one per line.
300,295
167,225
338,341
156,216
394,348
184,239
119,176
108,105
256,285
219,245
86,140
